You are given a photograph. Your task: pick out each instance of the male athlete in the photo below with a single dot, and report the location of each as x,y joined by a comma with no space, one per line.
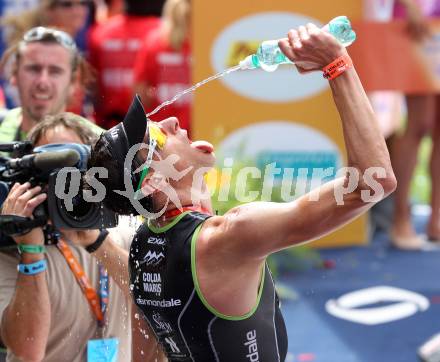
202,281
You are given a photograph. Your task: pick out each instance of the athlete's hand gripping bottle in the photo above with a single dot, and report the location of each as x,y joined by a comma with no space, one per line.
269,54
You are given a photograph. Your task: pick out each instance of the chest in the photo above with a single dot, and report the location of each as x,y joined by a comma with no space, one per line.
160,271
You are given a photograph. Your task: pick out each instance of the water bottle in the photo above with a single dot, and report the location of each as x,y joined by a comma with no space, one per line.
269,54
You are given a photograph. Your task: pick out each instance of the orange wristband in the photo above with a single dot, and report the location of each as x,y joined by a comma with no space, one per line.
337,67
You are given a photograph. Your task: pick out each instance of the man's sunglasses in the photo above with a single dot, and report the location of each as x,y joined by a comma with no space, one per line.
40,33
157,140
68,4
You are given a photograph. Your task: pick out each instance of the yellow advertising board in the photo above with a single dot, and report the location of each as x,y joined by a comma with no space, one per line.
280,117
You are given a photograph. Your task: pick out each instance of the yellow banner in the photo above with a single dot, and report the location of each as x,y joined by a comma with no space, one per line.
279,118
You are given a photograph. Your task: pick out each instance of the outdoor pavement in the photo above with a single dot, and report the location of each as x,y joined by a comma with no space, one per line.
318,336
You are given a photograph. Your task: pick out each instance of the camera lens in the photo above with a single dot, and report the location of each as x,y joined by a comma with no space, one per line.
81,207
83,213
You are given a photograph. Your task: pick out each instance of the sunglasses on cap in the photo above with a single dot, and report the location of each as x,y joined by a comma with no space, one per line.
157,140
40,33
68,4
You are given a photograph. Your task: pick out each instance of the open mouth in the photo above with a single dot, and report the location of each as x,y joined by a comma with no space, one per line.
203,146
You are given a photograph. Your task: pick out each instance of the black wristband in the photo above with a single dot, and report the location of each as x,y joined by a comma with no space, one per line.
98,242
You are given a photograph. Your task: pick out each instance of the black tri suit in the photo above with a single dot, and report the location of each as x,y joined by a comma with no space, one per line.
165,288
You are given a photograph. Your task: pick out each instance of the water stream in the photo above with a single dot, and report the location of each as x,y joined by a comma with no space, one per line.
193,88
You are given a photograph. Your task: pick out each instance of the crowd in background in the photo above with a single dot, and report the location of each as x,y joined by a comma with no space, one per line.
128,46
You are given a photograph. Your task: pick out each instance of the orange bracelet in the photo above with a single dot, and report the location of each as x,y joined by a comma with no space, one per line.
337,67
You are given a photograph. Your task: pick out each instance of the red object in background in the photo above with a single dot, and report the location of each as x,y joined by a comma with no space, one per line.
169,72
2,99
329,264
306,357
113,47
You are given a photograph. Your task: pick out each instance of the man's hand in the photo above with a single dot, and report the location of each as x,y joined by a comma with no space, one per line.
26,320
22,201
311,48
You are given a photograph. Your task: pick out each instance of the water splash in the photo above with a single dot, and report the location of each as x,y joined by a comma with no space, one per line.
193,88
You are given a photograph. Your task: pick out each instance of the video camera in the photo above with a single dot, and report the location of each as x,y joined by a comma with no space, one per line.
43,166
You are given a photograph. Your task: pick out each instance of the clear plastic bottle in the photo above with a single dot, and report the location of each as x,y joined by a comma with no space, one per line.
269,54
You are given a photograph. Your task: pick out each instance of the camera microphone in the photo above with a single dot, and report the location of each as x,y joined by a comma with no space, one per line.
46,161
16,146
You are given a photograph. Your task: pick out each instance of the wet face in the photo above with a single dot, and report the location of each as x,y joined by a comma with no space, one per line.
190,153
59,134
43,79
181,164
70,15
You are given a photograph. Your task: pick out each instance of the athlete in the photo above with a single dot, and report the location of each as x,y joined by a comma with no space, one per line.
201,281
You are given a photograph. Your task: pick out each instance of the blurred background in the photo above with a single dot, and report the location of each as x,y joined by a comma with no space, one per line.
368,292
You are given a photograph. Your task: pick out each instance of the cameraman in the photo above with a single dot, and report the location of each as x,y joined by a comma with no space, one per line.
46,315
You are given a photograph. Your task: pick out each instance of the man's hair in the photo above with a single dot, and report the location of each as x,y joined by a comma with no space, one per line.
101,156
68,120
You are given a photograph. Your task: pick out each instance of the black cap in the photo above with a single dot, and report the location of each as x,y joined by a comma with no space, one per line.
131,131
111,151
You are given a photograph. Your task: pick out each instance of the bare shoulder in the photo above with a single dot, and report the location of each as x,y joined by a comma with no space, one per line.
220,255
215,231
218,227
235,230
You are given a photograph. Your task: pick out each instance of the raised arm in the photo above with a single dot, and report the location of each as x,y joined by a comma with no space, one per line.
259,229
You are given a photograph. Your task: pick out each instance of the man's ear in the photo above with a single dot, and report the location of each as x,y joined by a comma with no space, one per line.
71,93
74,84
147,188
153,182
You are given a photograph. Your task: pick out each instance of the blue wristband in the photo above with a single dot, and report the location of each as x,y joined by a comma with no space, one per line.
33,268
